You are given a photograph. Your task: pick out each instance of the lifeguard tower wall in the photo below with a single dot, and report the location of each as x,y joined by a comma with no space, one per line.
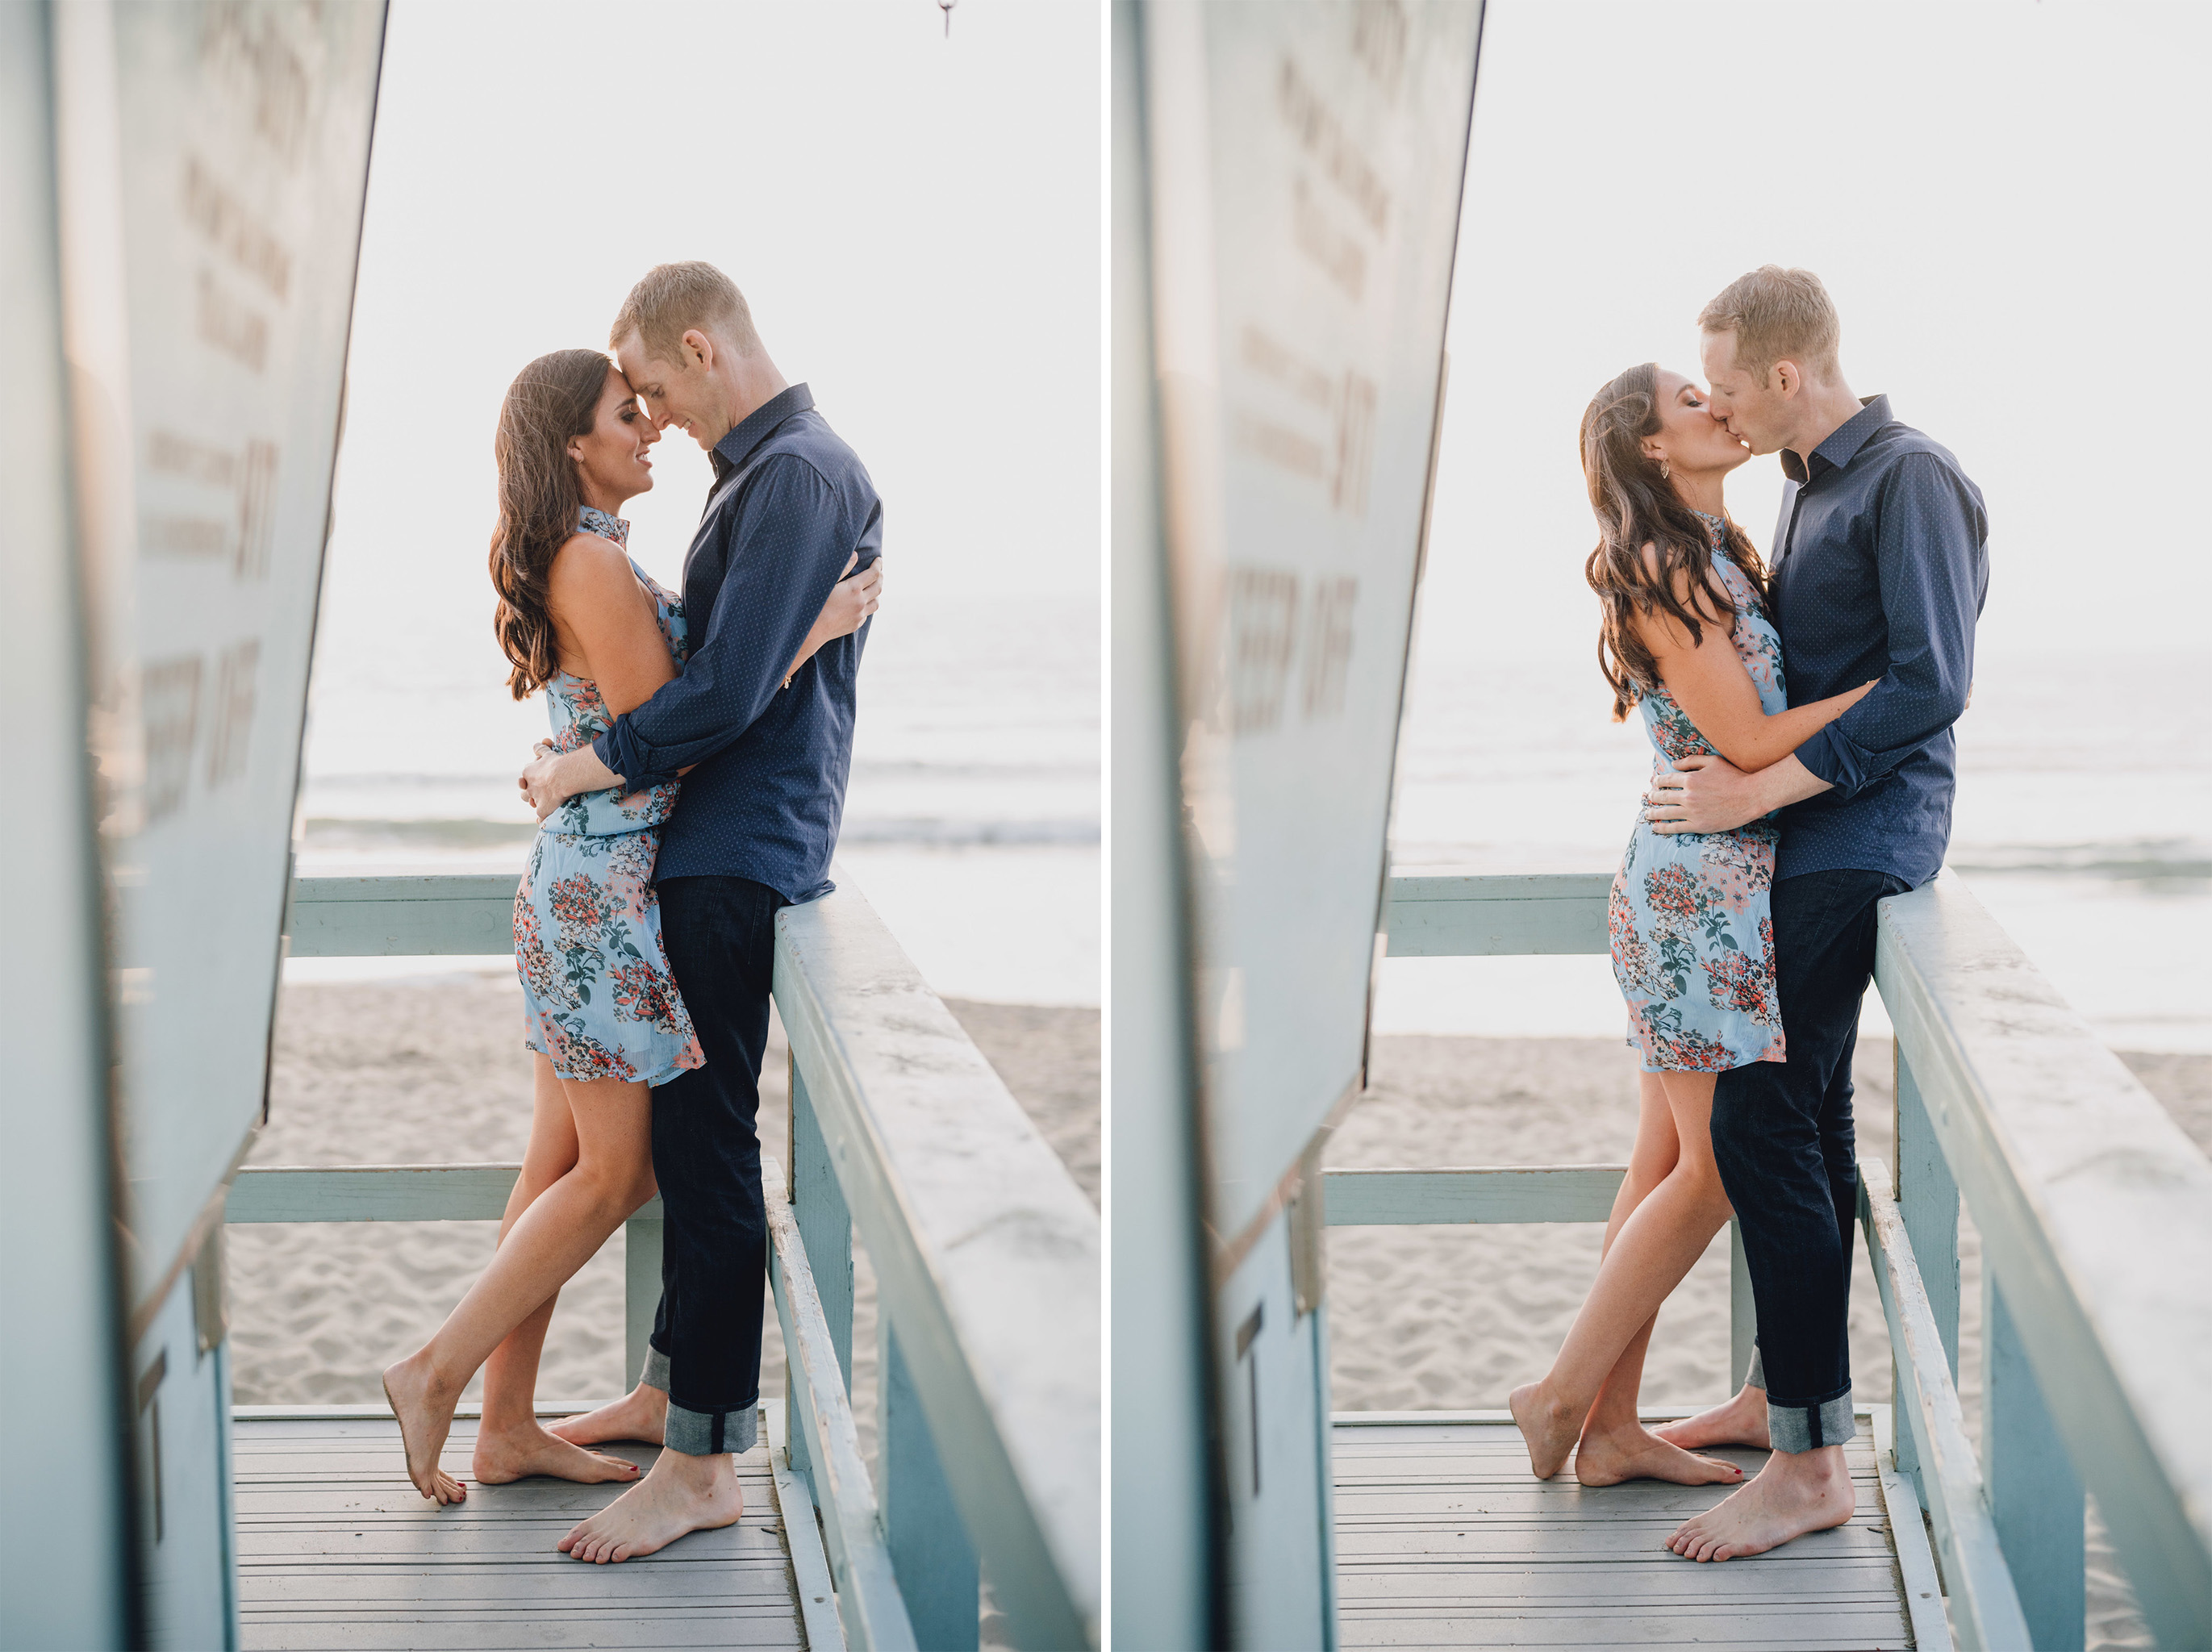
181,187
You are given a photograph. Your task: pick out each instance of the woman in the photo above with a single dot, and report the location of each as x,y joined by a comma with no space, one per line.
1685,634
577,617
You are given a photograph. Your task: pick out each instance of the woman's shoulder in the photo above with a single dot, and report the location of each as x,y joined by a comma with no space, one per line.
587,558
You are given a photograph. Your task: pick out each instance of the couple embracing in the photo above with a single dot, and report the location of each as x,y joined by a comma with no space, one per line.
645,925
1801,719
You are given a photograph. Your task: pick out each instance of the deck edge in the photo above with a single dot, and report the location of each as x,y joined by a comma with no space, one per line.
1908,1541
802,1539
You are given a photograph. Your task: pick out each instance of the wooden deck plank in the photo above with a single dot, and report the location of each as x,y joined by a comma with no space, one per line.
1444,1539
500,1633
337,1551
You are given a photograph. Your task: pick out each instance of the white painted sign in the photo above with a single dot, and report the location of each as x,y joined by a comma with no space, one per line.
214,158
1307,164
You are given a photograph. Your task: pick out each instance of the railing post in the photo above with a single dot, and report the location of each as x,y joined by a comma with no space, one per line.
934,1561
1743,1309
642,1252
825,1228
1928,1204
2034,1494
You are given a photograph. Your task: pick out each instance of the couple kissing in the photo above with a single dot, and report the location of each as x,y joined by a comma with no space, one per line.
1801,717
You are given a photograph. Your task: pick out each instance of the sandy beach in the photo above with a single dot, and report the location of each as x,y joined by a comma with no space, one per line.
431,1070
1445,1319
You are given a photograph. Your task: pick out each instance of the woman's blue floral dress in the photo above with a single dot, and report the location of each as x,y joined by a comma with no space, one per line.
596,991
1692,942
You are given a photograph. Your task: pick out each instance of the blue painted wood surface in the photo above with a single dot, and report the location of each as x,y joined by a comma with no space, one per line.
986,1253
1517,1192
641,1258
1928,1203
817,1204
2095,1213
818,1406
1983,1601
930,1550
1743,1308
2034,1494
436,916
1455,915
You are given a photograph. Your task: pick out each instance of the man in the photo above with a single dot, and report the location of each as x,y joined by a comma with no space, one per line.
765,762
1880,565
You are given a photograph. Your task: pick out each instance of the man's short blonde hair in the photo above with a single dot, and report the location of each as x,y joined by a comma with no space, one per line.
673,300
1777,315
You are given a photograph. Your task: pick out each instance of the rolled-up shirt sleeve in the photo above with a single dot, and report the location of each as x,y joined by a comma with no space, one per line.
789,542
1932,585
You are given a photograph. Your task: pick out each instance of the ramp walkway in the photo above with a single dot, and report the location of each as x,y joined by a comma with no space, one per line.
336,1549
1444,1539
987,1258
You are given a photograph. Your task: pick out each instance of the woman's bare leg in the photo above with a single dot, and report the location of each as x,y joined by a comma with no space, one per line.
1656,1245
1615,1446
511,1443
1657,1151
555,1234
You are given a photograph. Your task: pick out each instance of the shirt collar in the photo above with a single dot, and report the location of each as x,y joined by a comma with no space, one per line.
1842,443
750,432
606,524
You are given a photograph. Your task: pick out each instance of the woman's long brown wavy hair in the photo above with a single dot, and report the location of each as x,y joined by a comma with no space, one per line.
552,400
1637,506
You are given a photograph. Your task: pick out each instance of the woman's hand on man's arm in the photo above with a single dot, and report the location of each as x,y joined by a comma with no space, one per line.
1711,794
550,781
854,597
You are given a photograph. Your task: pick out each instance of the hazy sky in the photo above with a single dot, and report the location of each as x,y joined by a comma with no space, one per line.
914,221
2006,200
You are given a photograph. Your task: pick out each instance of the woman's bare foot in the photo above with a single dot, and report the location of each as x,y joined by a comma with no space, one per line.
1739,1422
640,1414
425,1414
1609,1457
680,1494
1546,1428
1794,1493
507,1455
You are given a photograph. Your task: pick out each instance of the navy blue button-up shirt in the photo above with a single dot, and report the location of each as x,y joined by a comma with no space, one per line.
1881,568
791,501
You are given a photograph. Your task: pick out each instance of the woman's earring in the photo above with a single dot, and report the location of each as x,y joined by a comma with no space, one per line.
1665,474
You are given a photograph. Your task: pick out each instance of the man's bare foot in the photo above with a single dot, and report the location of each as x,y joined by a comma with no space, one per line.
1609,1457
425,1414
680,1494
640,1414
1793,1494
507,1455
1739,1422
1546,1428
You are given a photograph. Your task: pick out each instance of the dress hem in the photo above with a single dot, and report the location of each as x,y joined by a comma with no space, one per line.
662,1078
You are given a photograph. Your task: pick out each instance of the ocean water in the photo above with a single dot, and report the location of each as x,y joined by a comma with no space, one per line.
972,818
2083,823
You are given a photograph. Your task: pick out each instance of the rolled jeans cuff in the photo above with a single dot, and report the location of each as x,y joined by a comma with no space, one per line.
1754,1378
710,1433
1807,1425
655,1374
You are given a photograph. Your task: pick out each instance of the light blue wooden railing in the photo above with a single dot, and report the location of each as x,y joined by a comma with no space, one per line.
2095,1213
987,1258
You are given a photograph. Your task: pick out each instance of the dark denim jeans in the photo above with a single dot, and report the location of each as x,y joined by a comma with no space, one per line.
720,933
1783,1141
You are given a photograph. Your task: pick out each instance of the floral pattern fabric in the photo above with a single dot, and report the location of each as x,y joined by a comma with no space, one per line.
597,996
1692,939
